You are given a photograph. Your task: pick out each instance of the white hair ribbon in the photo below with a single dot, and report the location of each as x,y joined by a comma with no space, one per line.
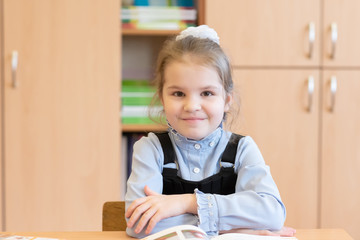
202,31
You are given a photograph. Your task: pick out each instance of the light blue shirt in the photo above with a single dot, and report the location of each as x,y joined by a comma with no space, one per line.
256,203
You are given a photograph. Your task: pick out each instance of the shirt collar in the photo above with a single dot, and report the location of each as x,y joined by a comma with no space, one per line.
186,143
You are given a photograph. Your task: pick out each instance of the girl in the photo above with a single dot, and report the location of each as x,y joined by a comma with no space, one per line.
198,173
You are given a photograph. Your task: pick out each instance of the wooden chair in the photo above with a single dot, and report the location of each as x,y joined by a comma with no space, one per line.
113,216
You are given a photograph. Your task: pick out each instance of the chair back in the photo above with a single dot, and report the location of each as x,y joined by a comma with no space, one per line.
113,217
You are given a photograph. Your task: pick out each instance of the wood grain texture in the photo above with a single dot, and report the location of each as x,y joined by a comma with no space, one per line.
113,218
62,121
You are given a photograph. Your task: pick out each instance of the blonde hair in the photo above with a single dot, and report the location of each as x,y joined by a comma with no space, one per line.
203,51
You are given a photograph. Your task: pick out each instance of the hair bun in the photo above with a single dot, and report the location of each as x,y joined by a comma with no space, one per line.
202,31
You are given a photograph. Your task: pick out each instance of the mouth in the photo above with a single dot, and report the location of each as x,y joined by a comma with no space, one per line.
193,119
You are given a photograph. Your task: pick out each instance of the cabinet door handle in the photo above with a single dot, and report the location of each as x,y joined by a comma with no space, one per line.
14,66
311,38
334,38
311,86
333,89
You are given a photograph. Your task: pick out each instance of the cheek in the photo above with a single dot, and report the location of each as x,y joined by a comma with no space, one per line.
169,108
170,103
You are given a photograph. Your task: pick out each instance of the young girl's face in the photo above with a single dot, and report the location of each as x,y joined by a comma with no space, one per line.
194,99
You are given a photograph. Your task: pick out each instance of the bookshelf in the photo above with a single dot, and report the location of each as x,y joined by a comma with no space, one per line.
139,51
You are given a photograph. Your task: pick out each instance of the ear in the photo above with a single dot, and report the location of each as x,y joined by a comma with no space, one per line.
228,102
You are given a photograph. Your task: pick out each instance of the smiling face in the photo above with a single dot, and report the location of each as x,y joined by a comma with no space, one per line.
194,99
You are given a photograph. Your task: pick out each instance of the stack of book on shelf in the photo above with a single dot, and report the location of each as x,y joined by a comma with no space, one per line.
171,15
136,97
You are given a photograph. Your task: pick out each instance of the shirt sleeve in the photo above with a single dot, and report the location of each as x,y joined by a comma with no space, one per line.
147,164
256,203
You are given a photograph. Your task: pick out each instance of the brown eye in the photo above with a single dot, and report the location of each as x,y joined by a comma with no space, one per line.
178,94
207,94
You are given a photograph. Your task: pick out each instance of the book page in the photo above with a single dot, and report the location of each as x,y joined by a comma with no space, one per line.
15,237
182,232
189,232
242,236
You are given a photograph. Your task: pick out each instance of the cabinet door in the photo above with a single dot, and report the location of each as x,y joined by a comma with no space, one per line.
61,119
280,114
267,33
1,121
341,35
340,152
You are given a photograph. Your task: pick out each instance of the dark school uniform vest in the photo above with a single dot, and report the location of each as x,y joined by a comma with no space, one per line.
222,182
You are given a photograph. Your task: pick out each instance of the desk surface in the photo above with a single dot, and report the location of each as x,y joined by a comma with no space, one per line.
301,234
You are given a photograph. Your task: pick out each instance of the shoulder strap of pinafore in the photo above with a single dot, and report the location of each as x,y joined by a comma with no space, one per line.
229,153
168,149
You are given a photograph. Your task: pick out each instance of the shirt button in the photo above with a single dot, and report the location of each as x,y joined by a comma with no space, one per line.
197,146
196,170
211,144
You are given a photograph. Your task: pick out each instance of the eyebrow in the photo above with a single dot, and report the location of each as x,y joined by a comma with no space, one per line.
203,88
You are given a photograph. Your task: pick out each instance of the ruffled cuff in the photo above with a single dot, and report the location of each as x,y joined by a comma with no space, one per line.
207,212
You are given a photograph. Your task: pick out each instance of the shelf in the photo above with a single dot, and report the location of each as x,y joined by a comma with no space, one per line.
200,6
143,128
142,32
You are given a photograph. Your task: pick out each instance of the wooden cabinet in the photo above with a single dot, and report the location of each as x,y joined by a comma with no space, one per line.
1,128
340,153
267,33
341,37
287,39
340,132
274,50
280,112
313,155
61,121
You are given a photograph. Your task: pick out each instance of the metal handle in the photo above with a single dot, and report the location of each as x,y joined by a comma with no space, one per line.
311,38
14,66
311,86
334,38
333,89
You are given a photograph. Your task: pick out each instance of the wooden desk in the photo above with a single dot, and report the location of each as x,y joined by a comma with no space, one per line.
301,234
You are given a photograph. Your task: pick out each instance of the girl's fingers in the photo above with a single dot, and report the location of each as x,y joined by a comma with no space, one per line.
139,201
287,232
136,213
133,206
153,221
149,192
145,218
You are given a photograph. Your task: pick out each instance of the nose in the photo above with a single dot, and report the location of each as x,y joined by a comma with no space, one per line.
192,104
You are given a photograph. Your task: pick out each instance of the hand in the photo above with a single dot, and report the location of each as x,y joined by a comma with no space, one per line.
283,232
155,207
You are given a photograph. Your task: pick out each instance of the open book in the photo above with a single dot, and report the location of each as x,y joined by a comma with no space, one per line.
16,237
189,232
